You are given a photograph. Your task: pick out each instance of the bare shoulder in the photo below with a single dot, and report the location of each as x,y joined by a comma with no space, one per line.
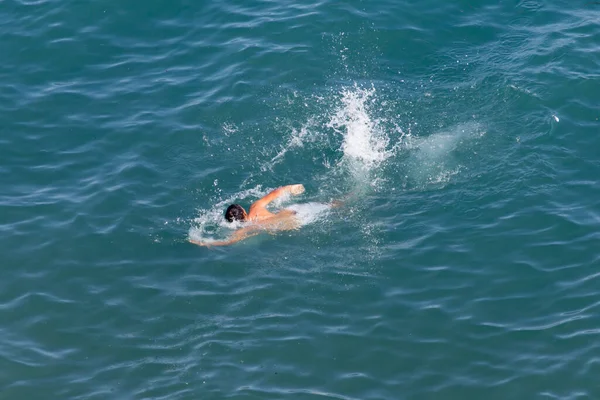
258,212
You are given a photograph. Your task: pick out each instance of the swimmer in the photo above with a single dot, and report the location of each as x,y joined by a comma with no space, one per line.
260,218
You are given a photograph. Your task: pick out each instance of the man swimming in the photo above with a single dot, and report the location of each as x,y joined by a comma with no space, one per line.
261,218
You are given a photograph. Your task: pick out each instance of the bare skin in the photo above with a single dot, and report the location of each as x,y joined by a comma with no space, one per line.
262,220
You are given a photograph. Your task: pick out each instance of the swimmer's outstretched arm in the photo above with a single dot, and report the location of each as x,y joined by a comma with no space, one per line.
281,191
237,236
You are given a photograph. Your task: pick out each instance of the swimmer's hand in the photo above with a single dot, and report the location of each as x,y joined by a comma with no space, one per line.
296,189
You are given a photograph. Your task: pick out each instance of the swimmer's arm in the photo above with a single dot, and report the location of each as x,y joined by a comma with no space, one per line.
237,236
291,189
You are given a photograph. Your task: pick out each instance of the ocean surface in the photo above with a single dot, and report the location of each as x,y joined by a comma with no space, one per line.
462,136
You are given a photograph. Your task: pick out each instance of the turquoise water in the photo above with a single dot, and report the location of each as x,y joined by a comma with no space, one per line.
464,264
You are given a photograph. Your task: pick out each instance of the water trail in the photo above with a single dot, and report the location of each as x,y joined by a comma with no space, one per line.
435,159
354,146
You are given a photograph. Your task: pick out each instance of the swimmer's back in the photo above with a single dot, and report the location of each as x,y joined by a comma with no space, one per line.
282,220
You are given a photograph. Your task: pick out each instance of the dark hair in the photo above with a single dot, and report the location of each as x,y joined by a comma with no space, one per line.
234,212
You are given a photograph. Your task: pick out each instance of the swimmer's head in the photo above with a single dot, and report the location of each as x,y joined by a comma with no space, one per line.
235,212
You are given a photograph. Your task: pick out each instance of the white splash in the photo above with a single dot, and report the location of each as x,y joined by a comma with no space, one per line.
365,142
296,140
229,129
308,213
